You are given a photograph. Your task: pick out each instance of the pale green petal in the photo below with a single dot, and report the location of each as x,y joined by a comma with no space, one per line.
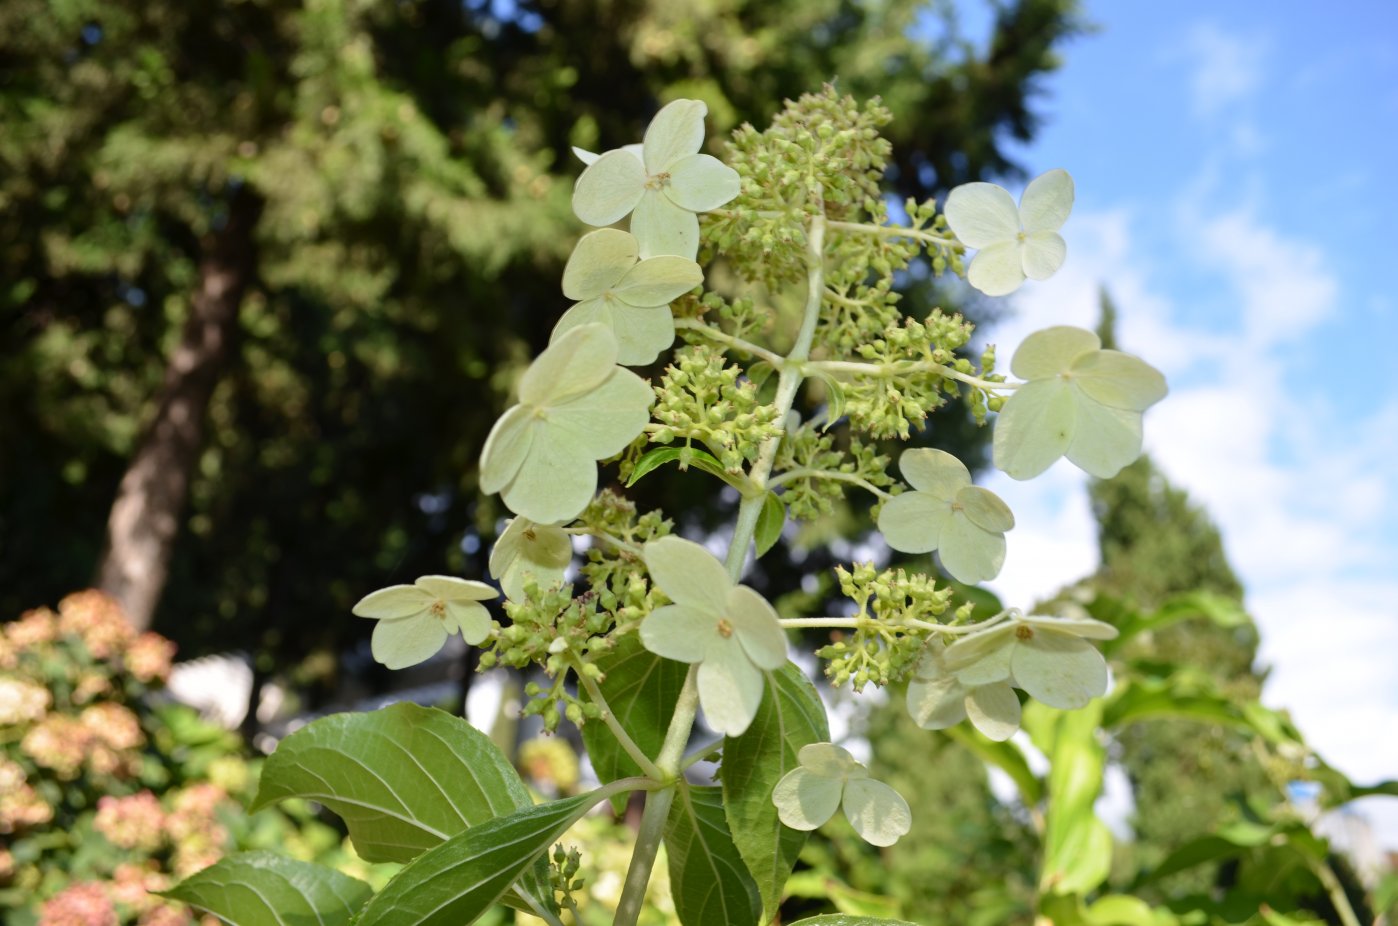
1042,253
676,132
913,522
1035,427
877,812
730,689
679,632
981,658
641,334
985,509
1086,627
930,665
598,261
658,281
935,472
396,601
577,362
937,704
689,574
508,547
1051,351
587,157
555,482
506,448
609,188
664,228
1119,380
702,182
601,423
450,588
830,761
806,801
755,625
970,553
402,643
994,710
528,549
998,269
1060,670
589,312
981,214
1046,202
1105,439
470,618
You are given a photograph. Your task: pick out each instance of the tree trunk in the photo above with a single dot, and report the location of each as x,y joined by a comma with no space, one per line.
145,517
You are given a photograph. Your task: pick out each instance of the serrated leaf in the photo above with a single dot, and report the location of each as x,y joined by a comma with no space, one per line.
642,689
266,889
404,778
463,877
710,884
791,716
769,523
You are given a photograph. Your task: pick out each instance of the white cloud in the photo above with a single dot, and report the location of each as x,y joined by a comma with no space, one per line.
1226,69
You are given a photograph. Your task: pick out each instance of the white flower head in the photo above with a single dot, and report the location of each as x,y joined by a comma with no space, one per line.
1048,657
632,297
964,523
529,550
829,778
576,406
664,188
1078,400
415,620
729,630
1013,242
588,157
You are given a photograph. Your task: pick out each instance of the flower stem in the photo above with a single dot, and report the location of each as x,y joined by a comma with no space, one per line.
792,475
738,344
648,768
897,231
905,367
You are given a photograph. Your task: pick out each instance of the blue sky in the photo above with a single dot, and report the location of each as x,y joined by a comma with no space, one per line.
1234,176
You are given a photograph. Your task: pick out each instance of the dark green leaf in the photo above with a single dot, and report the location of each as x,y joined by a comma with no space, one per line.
642,690
841,919
710,883
791,716
404,778
1195,852
266,889
685,457
769,523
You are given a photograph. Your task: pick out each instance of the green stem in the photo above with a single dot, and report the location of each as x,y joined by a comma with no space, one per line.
594,692
792,475
897,231
747,347
905,367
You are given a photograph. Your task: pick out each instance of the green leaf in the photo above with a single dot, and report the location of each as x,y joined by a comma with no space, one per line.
791,716
1005,756
1193,853
1077,846
459,880
769,523
1220,610
642,689
685,457
840,919
710,883
266,889
404,778
1124,910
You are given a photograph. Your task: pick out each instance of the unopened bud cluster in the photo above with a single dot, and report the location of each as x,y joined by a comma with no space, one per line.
702,398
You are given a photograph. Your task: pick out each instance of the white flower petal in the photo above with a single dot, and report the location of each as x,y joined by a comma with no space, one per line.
1104,439
1051,351
1119,380
470,618
913,522
1042,253
1035,427
402,643
702,182
970,553
688,574
756,626
677,131
664,228
877,812
528,549
981,658
396,601
554,483
998,269
450,588
937,704
730,689
830,761
981,214
641,334
588,312
1060,670
994,710
1046,202
572,365
598,261
609,188
935,472
658,281
1086,627
587,157
506,448
805,800
985,509
679,632
602,422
